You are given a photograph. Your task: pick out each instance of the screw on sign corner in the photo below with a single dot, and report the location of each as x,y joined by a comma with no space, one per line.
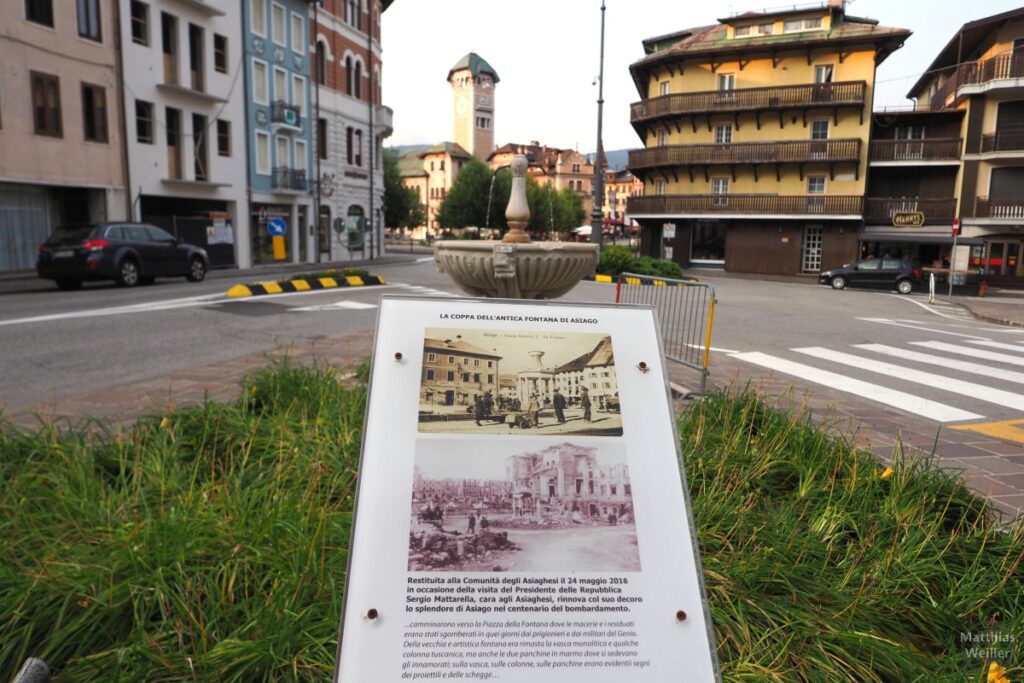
680,615
398,356
642,367
371,614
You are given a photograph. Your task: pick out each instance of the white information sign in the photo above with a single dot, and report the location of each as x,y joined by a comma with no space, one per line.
521,514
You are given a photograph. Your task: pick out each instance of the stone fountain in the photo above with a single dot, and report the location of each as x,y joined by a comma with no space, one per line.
516,267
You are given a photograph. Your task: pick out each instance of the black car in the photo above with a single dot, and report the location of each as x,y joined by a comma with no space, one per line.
128,253
893,273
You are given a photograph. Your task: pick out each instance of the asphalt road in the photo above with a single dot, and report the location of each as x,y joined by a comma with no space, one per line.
54,344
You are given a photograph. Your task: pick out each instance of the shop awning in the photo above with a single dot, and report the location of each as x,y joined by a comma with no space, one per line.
919,238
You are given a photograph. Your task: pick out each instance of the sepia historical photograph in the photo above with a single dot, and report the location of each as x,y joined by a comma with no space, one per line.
495,506
512,382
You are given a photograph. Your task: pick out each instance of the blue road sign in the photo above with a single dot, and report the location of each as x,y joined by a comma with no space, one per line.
277,226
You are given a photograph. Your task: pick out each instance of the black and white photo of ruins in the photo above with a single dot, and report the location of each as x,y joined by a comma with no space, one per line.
493,506
513,382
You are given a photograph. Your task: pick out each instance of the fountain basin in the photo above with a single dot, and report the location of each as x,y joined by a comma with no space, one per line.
531,270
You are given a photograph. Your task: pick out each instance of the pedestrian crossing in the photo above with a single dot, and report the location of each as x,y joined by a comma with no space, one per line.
946,381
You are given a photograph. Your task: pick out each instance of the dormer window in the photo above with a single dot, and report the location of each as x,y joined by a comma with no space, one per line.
742,31
809,24
754,30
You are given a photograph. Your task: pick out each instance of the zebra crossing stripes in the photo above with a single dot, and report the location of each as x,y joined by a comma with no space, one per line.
949,363
977,391
995,344
973,353
875,392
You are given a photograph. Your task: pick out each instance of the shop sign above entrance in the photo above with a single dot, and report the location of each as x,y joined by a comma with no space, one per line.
908,219
521,514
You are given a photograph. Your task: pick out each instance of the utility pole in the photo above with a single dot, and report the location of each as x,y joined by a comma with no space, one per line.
596,226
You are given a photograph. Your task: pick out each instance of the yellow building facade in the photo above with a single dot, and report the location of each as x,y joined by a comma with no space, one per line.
979,75
756,133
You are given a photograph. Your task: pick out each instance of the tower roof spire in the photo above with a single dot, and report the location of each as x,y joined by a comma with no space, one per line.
476,65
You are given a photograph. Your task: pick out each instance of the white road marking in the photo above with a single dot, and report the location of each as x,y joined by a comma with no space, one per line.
427,291
425,259
927,307
996,345
699,347
874,392
886,321
172,304
972,352
978,391
944,362
337,306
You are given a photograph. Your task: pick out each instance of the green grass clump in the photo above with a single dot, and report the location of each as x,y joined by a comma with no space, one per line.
821,567
211,545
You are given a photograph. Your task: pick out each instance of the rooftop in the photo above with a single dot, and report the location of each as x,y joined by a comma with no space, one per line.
476,65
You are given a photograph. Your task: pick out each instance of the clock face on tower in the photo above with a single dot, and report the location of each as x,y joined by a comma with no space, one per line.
461,105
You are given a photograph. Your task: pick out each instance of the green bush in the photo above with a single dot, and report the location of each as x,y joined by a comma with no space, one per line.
614,260
659,267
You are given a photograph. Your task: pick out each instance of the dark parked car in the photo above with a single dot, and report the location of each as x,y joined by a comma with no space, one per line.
893,273
128,253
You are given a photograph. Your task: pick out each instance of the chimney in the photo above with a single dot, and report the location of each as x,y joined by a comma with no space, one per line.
534,143
837,4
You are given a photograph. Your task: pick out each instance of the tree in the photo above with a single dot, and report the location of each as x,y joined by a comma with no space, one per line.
466,204
552,211
402,208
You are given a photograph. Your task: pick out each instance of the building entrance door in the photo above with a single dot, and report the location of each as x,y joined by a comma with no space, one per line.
449,397
811,262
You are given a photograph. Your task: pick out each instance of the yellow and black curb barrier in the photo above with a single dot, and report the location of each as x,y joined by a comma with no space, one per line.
611,279
303,285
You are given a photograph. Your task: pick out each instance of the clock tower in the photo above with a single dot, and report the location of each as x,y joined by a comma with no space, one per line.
473,82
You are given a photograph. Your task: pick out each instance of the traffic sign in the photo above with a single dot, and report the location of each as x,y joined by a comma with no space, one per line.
956,226
277,226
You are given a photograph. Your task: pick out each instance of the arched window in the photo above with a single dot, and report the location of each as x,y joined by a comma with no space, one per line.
348,75
359,79
321,63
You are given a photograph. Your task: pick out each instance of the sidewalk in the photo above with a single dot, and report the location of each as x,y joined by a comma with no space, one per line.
1004,307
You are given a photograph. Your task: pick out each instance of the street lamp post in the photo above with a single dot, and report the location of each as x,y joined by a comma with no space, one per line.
595,213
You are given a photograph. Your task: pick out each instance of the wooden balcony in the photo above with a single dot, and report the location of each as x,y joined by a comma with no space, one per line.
899,210
998,207
1002,141
752,205
910,151
797,151
1001,67
754,100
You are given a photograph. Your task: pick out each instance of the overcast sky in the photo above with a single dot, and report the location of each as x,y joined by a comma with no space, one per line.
546,53
514,346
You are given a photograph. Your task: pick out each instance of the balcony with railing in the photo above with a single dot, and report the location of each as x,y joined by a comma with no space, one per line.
901,210
284,114
284,178
1003,141
797,151
999,207
1001,67
775,98
912,151
753,205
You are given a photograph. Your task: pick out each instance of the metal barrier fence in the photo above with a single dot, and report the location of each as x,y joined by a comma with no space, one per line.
686,315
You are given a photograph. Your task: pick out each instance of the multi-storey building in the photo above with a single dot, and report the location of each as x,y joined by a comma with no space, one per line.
755,134
980,75
455,371
473,83
61,151
351,123
550,166
619,186
278,103
914,162
185,121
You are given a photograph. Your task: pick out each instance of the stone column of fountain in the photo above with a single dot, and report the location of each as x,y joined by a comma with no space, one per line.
516,267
